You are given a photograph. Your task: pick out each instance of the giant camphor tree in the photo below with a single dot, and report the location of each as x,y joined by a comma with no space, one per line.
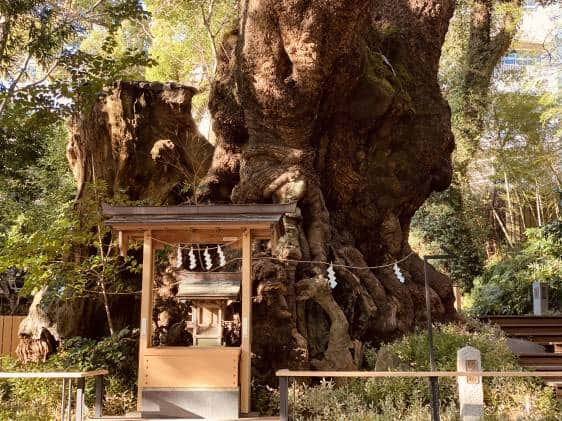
335,105
332,104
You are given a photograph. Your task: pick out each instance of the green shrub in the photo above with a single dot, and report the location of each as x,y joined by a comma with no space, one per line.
503,396
505,285
28,399
408,398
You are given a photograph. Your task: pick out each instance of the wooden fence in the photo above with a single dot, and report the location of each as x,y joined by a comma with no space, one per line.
79,378
286,375
9,334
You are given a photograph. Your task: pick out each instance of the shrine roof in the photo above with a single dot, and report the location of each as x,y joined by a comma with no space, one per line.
208,285
157,217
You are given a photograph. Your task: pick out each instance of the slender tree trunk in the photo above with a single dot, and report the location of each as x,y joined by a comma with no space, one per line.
511,228
538,204
503,228
490,36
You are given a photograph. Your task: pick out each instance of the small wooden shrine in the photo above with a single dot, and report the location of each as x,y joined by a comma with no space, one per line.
209,293
207,379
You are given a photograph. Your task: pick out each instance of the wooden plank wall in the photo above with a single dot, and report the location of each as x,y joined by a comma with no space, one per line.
9,334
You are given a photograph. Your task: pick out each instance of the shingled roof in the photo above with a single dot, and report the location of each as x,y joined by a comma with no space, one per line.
193,215
208,285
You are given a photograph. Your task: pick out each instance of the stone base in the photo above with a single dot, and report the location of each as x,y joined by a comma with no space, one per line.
210,404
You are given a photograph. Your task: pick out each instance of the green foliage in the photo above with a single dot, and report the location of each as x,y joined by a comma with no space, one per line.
502,395
186,40
35,215
42,230
117,353
327,401
39,399
44,252
23,145
408,398
447,222
39,224
43,66
53,56
505,286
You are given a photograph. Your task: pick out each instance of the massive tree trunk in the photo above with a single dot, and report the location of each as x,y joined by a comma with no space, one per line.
335,105
140,141
137,142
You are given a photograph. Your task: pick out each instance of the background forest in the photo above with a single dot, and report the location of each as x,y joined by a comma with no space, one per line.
500,216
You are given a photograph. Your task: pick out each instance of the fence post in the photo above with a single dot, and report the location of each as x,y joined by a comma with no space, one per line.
63,400
80,399
540,298
69,398
99,396
471,394
284,398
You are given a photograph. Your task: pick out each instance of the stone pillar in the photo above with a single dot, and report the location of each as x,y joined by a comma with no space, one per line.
471,395
540,298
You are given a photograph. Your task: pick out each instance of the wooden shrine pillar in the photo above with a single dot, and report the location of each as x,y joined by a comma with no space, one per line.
246,345
146,309
123,241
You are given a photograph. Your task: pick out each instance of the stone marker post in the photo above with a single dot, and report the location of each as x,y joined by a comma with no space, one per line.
471,395
540,298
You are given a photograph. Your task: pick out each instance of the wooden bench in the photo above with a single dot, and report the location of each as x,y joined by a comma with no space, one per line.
67,378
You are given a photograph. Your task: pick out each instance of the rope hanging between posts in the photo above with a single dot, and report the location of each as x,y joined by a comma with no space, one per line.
330,272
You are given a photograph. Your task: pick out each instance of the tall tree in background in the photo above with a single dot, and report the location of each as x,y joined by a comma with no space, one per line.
491,28
480,34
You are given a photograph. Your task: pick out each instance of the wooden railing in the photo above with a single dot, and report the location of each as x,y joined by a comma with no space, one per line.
9,334
66,394
285,375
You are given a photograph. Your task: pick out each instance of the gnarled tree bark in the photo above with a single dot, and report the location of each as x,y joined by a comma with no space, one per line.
138,142
335,105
